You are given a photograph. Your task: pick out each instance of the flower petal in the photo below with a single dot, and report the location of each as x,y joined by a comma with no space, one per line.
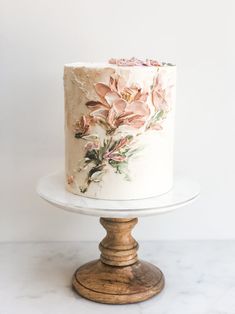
111,117
111,97
122,143
156,126
137,123
138,107
96,105
142,96
102,89
113,84
129,116
121,84
119,106
117,157
99,112
155,100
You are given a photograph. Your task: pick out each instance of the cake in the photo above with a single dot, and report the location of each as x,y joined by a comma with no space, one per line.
119,128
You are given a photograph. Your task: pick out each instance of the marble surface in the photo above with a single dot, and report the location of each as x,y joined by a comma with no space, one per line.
52,189
36,278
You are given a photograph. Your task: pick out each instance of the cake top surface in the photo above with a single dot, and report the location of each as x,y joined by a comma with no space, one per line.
132,62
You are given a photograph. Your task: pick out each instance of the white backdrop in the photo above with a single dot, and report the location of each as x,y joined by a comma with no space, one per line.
38,37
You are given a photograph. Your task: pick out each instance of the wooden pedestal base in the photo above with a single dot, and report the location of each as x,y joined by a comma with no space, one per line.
118,277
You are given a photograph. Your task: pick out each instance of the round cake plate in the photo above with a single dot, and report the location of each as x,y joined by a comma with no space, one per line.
52,189
118,277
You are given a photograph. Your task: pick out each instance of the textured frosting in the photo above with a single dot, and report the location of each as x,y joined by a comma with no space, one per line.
137,62
119,127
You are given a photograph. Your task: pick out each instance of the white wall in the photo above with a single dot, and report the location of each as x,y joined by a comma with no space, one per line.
38,37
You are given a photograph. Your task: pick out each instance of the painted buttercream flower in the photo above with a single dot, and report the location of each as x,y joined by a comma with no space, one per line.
82,126
161,93
92,145
115,152
119,105
70,179
161,100
156,126
135,62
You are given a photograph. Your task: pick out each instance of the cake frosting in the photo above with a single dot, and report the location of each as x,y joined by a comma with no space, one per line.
119,128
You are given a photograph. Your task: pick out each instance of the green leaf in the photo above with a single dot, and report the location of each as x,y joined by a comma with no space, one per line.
158,115
92,155
113,145
78,135
127,177
129,137
95,169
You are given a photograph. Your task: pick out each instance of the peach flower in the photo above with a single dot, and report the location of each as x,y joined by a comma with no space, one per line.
82,126
114,154
156,126
161,93
92,145
119,105
70,179
135,62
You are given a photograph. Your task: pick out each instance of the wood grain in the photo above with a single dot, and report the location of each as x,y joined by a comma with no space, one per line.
118,277
118,248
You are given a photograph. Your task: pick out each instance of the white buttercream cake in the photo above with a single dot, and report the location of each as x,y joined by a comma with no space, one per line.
119,128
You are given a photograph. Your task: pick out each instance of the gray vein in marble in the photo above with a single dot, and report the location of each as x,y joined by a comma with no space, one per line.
36,278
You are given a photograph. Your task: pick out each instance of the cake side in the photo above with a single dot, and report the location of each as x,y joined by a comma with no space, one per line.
119,130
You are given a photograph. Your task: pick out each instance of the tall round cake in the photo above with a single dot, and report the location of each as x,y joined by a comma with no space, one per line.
119,128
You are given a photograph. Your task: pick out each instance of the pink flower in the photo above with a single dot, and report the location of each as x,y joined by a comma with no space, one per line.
70,179
155,126
135,62
82,126
161,93
116,157
115,153
119,105
92,145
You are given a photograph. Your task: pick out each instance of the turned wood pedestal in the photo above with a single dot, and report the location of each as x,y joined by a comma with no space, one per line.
118,277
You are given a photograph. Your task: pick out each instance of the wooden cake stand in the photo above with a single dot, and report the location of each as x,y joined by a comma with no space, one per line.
118,277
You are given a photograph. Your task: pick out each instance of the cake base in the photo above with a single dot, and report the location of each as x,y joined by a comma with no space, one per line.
118,277
102,283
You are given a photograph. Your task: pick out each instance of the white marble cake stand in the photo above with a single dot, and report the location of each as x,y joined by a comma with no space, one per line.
118,277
